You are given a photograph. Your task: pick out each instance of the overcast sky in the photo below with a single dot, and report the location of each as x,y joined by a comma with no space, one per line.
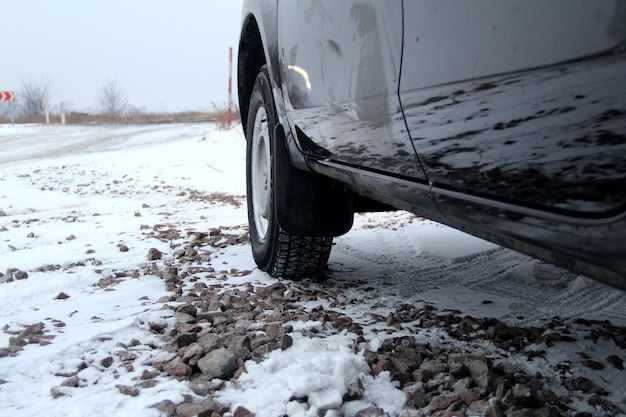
166,55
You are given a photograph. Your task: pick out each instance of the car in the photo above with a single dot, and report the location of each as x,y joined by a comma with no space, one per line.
506,120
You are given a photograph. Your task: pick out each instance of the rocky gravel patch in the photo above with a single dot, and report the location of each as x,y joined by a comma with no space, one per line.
30,334
446,364
13,274
478,368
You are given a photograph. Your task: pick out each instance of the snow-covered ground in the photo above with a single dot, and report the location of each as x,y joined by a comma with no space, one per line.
82,206
69,196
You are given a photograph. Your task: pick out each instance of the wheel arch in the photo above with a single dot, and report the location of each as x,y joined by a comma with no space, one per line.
323,201
250,59
258,46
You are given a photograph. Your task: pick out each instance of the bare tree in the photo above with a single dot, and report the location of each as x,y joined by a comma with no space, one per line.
112,99
33,97
64,107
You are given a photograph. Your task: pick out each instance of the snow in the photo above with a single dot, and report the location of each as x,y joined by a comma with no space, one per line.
320,369
71,195
90,188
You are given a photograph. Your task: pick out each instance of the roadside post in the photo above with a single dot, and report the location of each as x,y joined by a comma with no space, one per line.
10,97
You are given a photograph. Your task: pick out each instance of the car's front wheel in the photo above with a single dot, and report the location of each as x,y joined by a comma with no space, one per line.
274,250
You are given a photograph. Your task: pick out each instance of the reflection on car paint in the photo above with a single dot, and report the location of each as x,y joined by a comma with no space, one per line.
380,144
554,137
347,103
357,59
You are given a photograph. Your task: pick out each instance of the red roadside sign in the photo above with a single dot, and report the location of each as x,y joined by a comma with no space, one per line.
7,96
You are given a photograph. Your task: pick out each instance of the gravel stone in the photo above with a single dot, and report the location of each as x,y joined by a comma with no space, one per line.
203,386
415,394
441,402
191,353
220,363
107,362
178,369
185,339
579,384
477,368
433,367
371,412
243,412
189,309
209,342
126,390
20,275
593,364
71,382
191,410
166,407
616,361
154,254
57,392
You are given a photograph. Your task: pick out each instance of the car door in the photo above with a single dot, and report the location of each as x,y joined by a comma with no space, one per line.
523,102
340,63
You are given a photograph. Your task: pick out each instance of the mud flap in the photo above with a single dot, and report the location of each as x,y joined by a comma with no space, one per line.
306,203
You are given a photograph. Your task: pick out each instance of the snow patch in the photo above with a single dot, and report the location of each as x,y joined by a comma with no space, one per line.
314,374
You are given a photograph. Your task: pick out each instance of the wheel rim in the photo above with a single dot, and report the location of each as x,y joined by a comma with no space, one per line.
261,174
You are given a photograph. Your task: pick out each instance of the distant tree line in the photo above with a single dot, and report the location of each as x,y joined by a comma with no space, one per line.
34,96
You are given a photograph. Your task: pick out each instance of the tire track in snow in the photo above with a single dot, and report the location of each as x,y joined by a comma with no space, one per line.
401,269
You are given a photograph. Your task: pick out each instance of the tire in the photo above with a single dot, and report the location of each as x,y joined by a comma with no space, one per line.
275,251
